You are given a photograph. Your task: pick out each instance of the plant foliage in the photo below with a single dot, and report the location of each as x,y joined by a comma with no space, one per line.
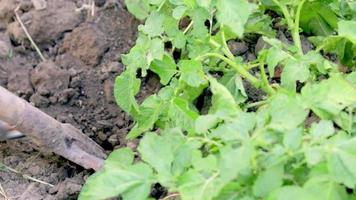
298,142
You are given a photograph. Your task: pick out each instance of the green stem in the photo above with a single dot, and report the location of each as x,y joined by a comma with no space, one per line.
240,69
292,25
256,104
161,5
265,81
226,49
295,34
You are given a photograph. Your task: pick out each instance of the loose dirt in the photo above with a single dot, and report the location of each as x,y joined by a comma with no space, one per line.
74,85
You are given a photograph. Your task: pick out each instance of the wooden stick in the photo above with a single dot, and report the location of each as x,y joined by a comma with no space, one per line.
45,131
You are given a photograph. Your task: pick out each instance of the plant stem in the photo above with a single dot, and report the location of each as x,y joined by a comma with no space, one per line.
240,69
161,5
265,81
226,49
295,34
292,25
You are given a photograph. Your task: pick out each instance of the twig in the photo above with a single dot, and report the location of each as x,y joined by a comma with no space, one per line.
24,175
3,193
170,196
28,34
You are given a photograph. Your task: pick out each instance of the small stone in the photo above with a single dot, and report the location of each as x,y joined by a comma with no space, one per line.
108,90
5,49
39,100
261,44
113,140
102,136
237,48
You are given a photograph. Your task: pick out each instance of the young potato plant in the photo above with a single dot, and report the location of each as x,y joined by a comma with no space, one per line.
204,137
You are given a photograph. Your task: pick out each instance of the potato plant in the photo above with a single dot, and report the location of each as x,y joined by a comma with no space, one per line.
202,137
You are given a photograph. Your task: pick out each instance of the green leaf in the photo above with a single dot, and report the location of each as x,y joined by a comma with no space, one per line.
125,88
235,129
192,72
222,101
325,189
234,84
322,129
139,8
178,12
240,165
120,158
182,115
131,181
199,16
154,25
317,18
291,193
294,71
260,24
347,29
286,111
194,186
145,51
165,68
175,35
329,97
157,152
228,192
234,14
293,138
150,110
342,162
274,56
268,180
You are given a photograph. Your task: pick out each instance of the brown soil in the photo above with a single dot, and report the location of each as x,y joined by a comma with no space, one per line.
74,85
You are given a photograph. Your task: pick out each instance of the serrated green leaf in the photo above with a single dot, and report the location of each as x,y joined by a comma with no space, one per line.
182,115
149,112
178,12
294,70
194,186
329,97
235,129
291,193
165,68
286,111
192,72
268,180
260,24
293,138
139,8
317,18
125,88
342,162
234,84
199,16
347,29
145,51
157,152
153,25
240,165
223,103
325,188
131,181
234,14
322,129
122,158
274,56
